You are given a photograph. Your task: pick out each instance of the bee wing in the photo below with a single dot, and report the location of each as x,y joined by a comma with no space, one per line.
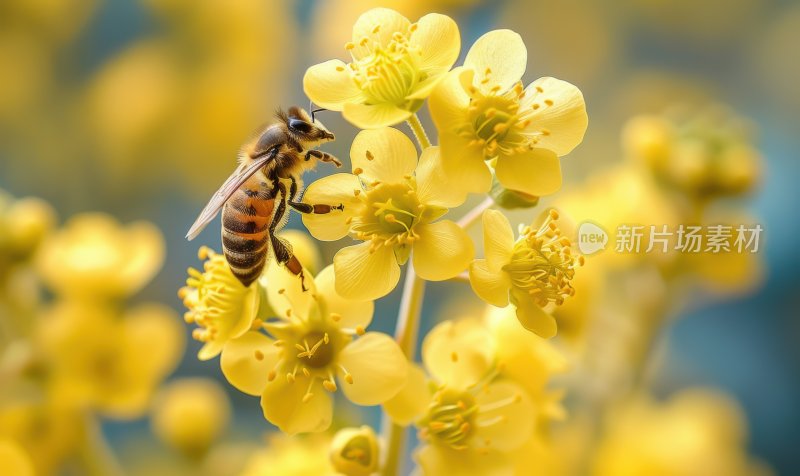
237,178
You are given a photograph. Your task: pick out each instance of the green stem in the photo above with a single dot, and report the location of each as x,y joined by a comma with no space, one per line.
419,132
94,451
476,213
406,334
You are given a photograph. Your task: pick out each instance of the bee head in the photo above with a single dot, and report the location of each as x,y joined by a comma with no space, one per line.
304,128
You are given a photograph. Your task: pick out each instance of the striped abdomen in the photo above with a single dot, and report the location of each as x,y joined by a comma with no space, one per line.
246,218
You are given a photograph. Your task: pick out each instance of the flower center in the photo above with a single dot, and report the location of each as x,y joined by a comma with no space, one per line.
315,349
542,263
390,215
495,121
451,418
388,73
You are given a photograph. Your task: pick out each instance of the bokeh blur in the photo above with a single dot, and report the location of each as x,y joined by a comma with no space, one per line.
120,118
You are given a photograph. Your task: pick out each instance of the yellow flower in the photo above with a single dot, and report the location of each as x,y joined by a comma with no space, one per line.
218,303
396,65
704,153
531,272
354,451
14,460
468,419
189,414
292,456
697,432
392,204
483,113
317,338
108,362
42,423
528,360
24,223
94,256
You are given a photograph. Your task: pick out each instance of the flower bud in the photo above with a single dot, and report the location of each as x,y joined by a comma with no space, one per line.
354,451
511,199
190,414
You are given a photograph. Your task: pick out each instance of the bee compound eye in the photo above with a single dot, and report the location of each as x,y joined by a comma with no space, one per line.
299,125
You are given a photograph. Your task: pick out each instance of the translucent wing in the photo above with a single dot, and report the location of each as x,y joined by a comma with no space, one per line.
237,178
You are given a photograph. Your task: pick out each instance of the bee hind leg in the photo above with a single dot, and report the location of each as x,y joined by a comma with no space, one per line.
284,256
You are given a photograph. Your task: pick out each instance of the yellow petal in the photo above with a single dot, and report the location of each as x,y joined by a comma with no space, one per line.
513,421
501,51
329,85
283,405
423,89
14,459
385,155
442,251
352,314
285,291
378,25
533,317
412,400
491,286
378,367
561,114
498,239
433,183
439,41
448,103
458,353
536,172
361,275
464,164
332,190
157,328
374,116
247,361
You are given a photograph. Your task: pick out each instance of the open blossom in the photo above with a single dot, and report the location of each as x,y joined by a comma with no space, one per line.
218,303
317,343
531,272
104,361
392,204
395,66
483,113
94,256
469,418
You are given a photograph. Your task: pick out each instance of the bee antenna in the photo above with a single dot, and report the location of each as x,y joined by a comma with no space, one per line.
316,111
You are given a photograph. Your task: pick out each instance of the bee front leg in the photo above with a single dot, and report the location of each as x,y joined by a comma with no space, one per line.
323,157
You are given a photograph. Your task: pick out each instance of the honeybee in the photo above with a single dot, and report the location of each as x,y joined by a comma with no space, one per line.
255,197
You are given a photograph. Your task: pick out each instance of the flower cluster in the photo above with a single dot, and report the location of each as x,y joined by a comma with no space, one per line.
482,400
66,360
